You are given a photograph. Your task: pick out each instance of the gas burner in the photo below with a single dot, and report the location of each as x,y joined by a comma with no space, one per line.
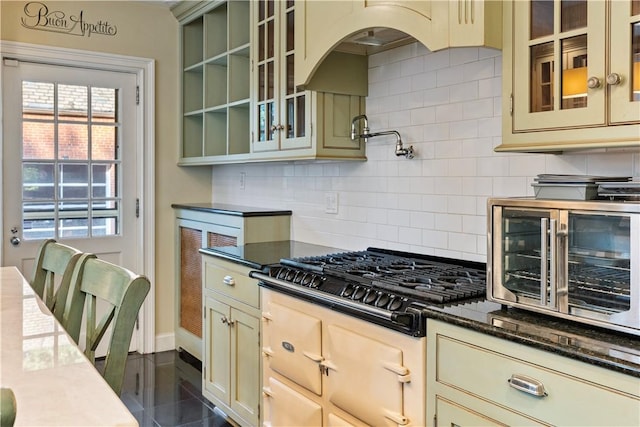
378,284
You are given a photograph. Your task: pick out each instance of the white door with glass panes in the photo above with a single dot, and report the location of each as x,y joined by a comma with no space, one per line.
69,163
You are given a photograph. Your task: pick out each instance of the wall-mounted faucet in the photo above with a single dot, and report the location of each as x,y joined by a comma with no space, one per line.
366,134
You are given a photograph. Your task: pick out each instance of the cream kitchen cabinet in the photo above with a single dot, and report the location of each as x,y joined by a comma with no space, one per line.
477,379
208,225
436,24
571,75
287,121
231,368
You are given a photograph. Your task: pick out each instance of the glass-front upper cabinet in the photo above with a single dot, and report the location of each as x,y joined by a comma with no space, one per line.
571,64
280,115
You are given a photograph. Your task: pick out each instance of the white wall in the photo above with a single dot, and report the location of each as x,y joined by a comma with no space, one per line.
447,104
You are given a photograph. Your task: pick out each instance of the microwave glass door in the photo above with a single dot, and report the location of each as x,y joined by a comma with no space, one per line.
599,263
527,270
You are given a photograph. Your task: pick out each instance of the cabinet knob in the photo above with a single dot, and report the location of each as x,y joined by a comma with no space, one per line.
593,83
614,79
226,321
229,281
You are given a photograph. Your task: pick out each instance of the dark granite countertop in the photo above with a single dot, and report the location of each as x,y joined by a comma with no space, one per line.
259,255
226,209
608,349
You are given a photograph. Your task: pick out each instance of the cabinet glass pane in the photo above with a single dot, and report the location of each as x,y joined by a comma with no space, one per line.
261,41
599,263
574,72
261,69
522,261
290,30
542,77
542,18
289,73
300,110
573,14
635,59
270,39
270,80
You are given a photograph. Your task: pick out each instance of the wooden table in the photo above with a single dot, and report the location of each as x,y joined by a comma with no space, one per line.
54,383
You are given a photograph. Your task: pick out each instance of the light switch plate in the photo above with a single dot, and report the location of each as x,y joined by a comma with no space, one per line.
331,202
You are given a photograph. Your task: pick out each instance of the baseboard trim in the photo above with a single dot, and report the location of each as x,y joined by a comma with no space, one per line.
165,342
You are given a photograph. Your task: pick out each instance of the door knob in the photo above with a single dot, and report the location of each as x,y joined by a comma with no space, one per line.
15,240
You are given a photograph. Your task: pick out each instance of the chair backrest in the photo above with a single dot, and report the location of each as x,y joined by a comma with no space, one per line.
119,289
8,407
52,273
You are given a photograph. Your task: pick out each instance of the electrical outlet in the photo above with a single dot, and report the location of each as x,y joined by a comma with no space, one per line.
331,202
243,178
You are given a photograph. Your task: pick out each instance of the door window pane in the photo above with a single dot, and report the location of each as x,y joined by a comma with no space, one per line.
72,102
37,181
73,141
108,147
103,104
73,181
38,140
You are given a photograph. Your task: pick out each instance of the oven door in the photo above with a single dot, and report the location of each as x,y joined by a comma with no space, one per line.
601,267
293,345
365,377
522,249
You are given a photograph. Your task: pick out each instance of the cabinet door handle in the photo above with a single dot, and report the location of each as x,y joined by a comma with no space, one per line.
527,385
614,79
229,281
226,321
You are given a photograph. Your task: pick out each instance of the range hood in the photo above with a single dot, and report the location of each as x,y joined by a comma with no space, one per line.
374,40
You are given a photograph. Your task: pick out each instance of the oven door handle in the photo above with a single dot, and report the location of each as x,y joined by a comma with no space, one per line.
397,317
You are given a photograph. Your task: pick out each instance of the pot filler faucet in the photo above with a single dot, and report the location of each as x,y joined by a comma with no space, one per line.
400,150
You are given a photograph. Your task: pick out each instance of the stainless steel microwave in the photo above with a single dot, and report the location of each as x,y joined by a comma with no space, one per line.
578,260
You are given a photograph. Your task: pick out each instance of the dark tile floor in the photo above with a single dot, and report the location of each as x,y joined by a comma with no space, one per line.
164,389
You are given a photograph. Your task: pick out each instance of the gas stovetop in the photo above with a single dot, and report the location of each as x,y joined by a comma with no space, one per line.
388,288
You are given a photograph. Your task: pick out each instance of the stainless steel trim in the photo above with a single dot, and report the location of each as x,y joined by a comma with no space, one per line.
374,311
544,261
573,205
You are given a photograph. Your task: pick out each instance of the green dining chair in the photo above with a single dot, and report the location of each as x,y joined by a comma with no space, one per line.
8,407
52,273
123,293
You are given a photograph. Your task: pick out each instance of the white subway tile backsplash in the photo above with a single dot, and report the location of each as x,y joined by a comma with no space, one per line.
436,60
481,108
450,76
448,105
463,55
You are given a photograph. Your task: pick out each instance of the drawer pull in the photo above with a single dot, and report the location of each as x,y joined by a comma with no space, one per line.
527,384
228,280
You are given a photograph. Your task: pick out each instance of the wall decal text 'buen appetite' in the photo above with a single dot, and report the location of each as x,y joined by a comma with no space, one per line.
37,16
